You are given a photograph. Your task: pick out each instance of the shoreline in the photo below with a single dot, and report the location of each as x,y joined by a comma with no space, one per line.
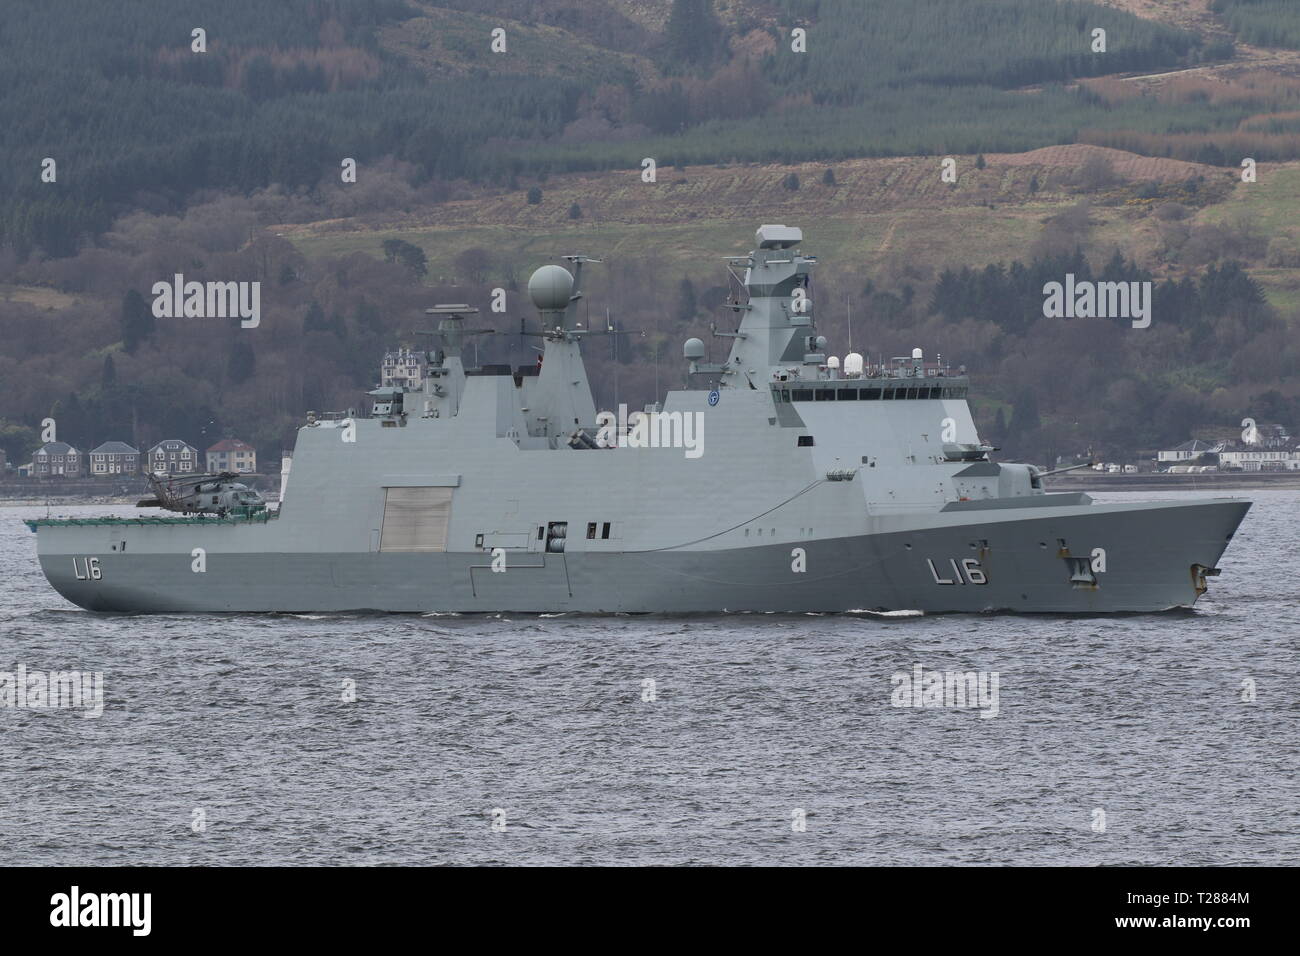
1256,481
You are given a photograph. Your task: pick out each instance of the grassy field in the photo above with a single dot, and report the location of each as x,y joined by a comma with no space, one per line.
1270,203
451,42
50,300
892,215
972,235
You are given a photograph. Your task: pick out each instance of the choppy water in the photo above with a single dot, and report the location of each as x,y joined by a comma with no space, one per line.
1141,717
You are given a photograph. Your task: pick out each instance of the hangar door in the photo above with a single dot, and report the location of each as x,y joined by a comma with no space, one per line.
415,519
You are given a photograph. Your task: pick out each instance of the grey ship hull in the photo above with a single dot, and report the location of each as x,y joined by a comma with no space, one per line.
800,490
1151,554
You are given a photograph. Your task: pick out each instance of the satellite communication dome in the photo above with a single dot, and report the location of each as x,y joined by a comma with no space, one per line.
853,365
833,362
693,349
917,353
550,288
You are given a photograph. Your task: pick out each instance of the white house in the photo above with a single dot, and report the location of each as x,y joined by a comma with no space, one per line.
1187,451
405,367
173,457
1260,458
1268,447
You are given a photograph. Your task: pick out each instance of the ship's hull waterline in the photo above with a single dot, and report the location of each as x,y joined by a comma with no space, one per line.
1005,560
789,484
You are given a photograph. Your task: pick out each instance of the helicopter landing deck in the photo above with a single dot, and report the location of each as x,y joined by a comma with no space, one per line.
256,517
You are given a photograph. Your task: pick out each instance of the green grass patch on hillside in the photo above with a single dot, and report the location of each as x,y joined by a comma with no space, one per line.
1263,22
452,42
1271,203
854,240
855,47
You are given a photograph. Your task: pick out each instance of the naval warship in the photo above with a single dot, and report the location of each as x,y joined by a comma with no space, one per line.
776,481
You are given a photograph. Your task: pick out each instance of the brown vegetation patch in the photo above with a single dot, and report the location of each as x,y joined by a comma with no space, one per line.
1194,15
340,67
1233,147
760,192
1218,85
1125,165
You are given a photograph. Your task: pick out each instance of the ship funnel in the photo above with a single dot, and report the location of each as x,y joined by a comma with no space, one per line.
853,365
550,288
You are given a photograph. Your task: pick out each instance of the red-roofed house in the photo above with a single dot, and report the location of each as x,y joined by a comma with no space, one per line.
231,454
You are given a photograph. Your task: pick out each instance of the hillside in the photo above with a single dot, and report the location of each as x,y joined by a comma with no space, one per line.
284,91
1125,166
878,212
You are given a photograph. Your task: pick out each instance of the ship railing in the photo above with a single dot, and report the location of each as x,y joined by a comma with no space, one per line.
909,371
261,516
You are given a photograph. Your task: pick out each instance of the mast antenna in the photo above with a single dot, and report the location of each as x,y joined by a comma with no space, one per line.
848,305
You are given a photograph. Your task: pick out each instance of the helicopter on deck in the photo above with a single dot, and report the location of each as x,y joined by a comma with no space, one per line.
219,494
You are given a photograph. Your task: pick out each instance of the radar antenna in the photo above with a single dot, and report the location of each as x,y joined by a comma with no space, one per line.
451,330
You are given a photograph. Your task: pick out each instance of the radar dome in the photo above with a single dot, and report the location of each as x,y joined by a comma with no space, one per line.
693,349
853,365
550,288
833,362
917,354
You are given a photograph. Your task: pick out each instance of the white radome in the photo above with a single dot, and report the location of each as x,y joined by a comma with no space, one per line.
550,288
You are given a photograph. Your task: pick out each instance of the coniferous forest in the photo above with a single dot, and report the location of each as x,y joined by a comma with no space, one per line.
171,159
116,91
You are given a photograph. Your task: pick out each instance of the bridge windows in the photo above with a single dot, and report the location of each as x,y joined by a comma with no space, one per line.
875,391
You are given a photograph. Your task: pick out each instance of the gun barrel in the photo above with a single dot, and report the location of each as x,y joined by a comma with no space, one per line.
1057,471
